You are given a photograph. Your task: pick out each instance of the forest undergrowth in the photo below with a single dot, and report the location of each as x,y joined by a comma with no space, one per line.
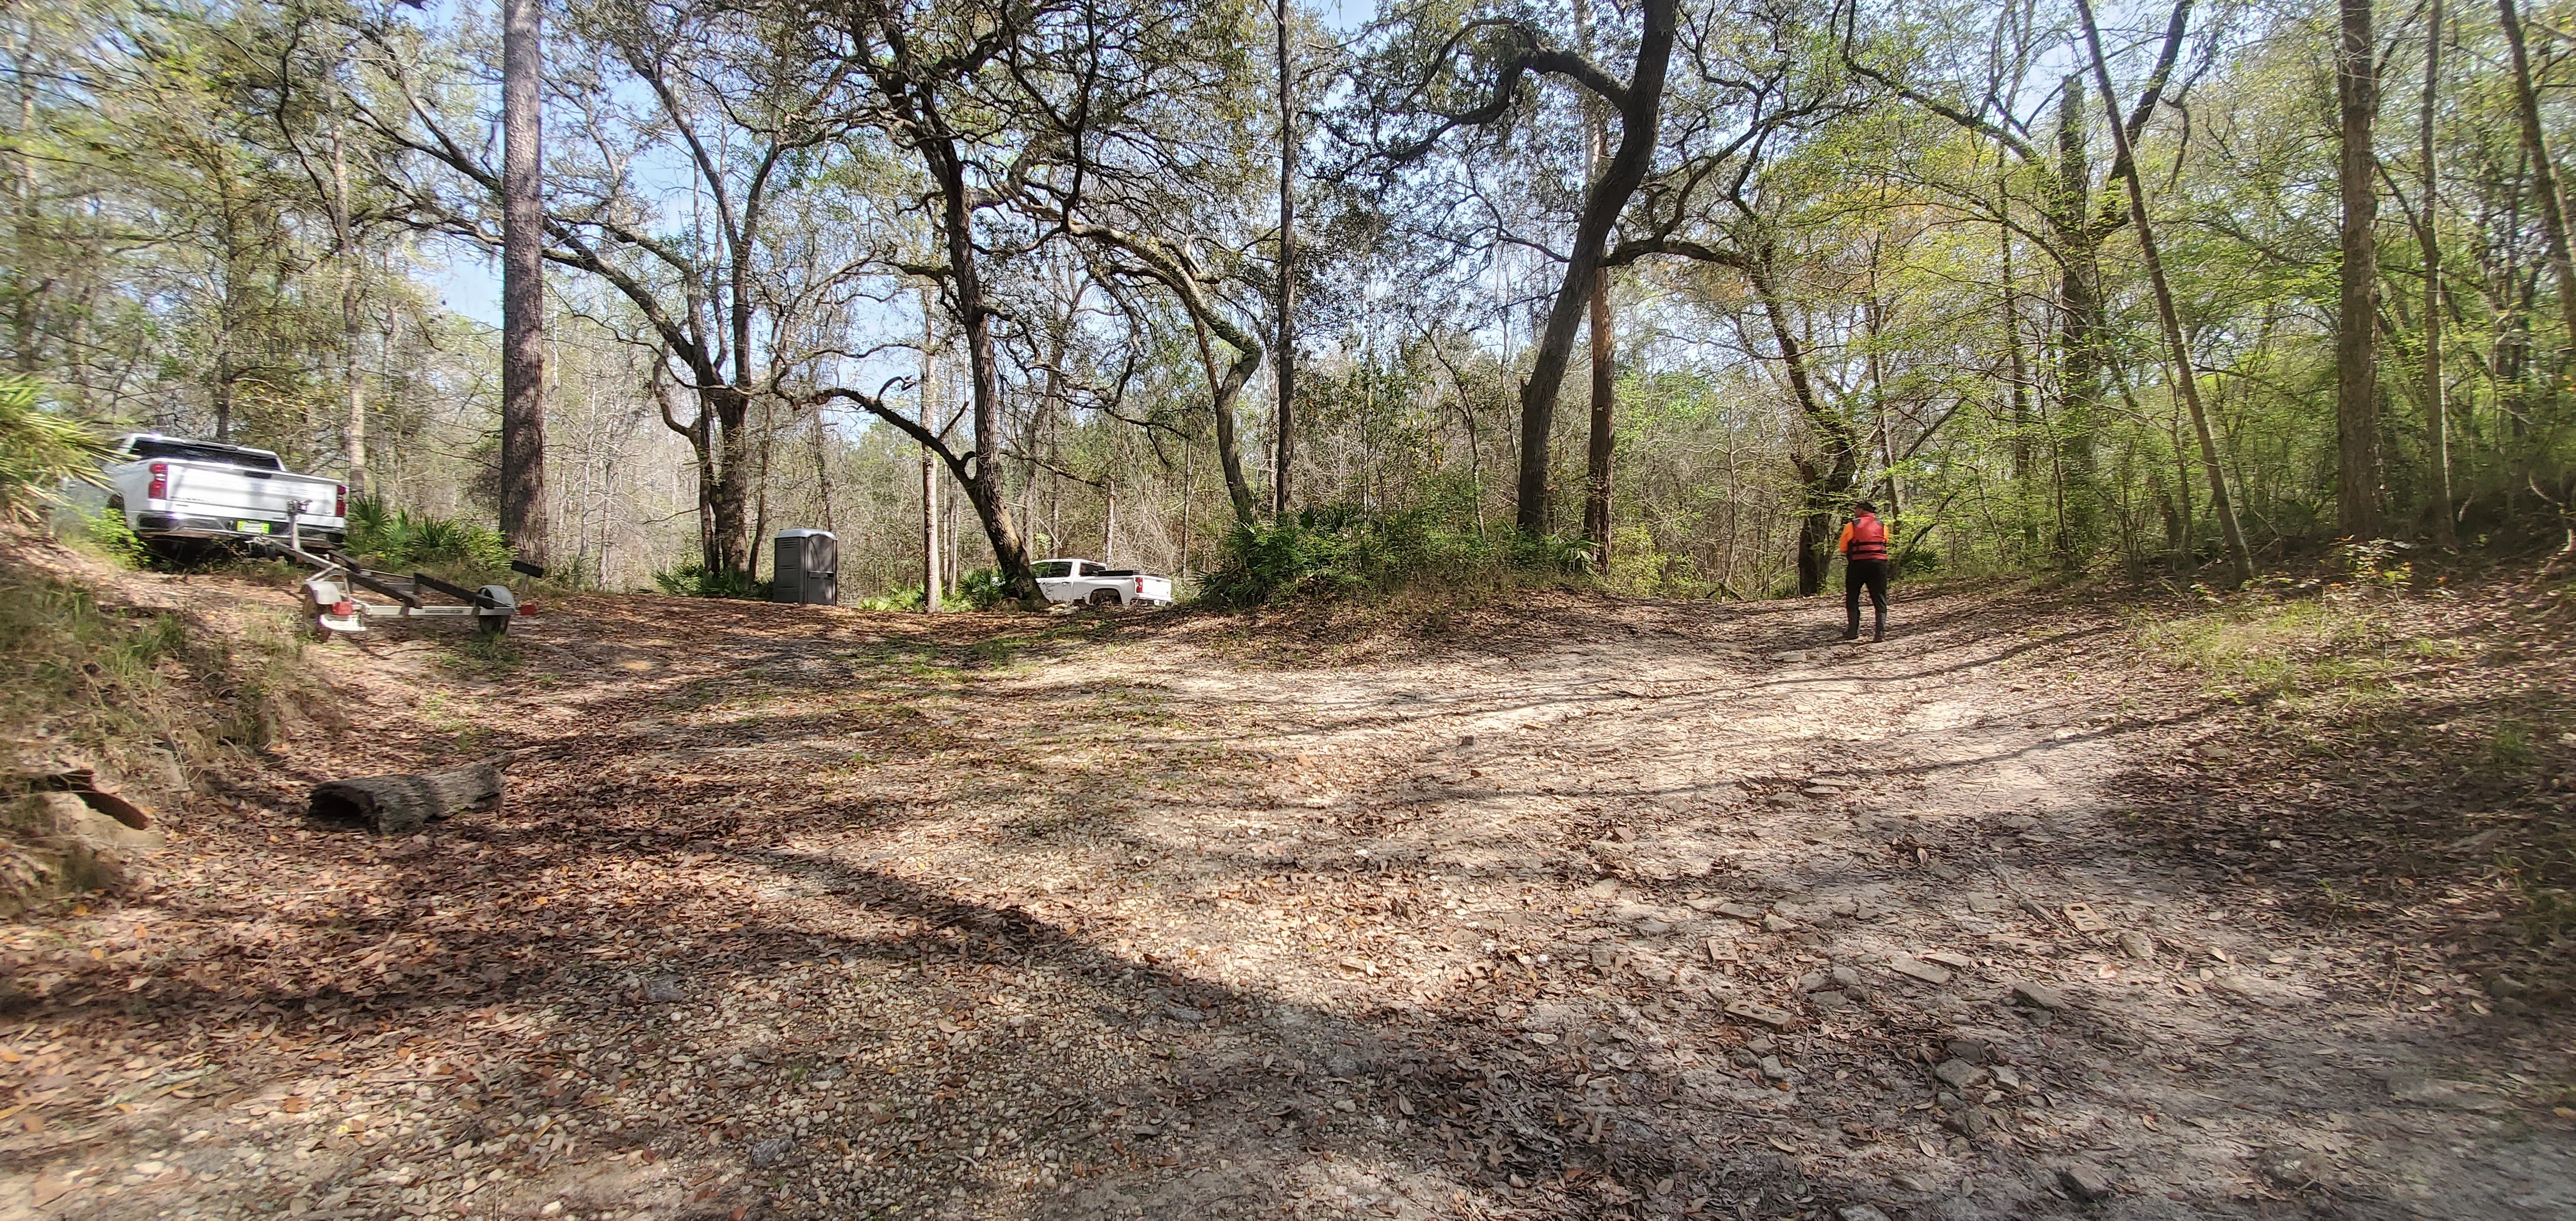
143,692
1420,558
2400,751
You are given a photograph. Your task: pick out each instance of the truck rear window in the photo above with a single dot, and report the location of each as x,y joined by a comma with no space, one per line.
201,451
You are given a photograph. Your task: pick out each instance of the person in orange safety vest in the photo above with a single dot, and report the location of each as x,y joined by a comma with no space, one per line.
1864,548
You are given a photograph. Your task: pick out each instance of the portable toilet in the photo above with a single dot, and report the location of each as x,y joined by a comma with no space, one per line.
806,568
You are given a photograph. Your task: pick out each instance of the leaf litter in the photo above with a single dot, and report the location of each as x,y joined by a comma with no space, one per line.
815,913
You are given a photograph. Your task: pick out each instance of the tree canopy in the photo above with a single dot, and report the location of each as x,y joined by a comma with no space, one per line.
1823,253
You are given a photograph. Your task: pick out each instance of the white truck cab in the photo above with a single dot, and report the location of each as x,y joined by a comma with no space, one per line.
1091,583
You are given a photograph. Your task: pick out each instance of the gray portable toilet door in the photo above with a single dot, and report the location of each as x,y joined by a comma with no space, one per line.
787,566
823,569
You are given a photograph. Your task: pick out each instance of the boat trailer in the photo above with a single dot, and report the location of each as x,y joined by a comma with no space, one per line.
331,601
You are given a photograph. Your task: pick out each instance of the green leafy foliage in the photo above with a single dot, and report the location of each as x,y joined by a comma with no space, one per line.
2256,648
909,598
983,588
398,538
694,579
1343,551
107,533
40,449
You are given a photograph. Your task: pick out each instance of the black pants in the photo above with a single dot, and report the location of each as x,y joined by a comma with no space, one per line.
1859,575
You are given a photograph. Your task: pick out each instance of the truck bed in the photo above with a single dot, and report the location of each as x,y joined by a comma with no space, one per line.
184,489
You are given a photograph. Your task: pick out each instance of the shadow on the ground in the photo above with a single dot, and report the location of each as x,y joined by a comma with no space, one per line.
1479,1106
769,748
2388,822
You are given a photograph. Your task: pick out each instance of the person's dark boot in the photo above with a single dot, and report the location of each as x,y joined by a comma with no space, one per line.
1880,631
1851,630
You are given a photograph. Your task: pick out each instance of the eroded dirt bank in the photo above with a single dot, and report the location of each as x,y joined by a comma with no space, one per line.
1594,909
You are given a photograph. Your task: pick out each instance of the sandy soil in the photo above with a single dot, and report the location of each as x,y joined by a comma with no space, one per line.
1582,909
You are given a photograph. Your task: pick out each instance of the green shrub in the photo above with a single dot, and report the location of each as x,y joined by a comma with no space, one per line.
695,580
107,533
983,588
397,538
909,598
40,449
1341,551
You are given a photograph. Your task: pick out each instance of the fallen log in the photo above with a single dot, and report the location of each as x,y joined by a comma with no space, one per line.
398,805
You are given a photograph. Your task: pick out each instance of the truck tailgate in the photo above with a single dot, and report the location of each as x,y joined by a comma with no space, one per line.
207,490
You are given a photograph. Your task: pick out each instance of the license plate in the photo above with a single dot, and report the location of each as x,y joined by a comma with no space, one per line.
251,527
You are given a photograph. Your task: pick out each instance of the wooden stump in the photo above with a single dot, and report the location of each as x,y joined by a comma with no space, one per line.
398,805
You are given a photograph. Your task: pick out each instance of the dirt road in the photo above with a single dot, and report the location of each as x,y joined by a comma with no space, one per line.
1590,909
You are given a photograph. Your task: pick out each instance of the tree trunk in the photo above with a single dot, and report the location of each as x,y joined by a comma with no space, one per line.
1815,528
1874,313
1283,450
929,463
2437,429
25,289
2023,471
983,484
730,505
1222,389
822,439
760,485
2185,381
2356,326
1596,497
399,805
2544,173
1601,441
1207,318
523,411
701,435
352,319
1602,204
223,383
2079,354
1820,487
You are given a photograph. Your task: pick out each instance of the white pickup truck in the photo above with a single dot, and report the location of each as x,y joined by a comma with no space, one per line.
1088,582
172,488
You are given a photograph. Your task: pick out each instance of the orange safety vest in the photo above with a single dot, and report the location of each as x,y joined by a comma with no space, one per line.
1865,538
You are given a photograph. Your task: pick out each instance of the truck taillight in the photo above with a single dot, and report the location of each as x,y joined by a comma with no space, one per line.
340,500
1140,586
160,489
